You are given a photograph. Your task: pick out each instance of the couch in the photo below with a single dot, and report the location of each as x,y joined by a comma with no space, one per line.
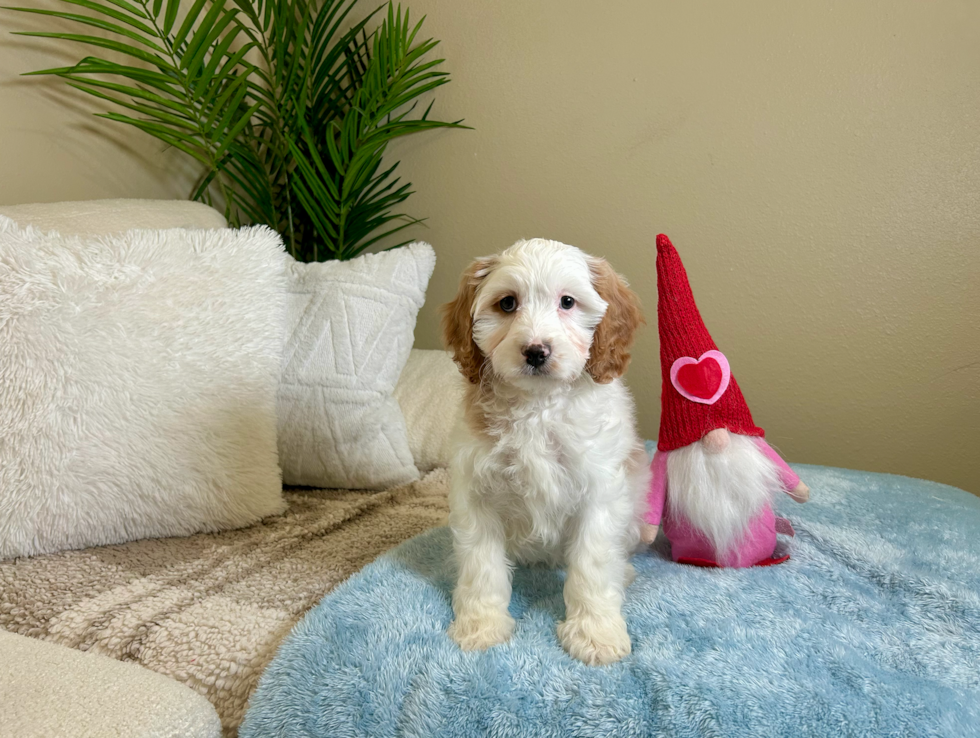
169,636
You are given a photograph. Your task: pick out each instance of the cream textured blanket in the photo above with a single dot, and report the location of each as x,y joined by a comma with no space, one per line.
211,609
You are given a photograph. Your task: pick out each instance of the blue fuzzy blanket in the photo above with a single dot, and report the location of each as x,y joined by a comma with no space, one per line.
871,629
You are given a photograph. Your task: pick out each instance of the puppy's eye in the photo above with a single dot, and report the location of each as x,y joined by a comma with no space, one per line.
508,304
567,303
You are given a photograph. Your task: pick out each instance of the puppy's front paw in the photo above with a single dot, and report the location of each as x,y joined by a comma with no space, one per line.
595,640
478,631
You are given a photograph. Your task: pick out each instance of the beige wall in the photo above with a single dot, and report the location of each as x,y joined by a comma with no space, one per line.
51,147
816,164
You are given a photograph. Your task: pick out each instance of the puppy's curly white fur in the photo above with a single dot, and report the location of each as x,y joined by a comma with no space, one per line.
549,466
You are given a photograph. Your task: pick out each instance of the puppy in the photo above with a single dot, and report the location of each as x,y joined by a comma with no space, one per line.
549,467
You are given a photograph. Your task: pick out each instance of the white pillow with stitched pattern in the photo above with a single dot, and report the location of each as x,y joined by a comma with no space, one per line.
349,330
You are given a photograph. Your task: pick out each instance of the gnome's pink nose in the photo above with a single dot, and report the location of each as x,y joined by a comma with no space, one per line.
716,441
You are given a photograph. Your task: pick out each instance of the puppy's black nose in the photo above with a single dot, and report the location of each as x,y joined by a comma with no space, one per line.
537,354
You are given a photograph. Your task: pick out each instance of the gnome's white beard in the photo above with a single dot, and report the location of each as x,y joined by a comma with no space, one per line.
720,492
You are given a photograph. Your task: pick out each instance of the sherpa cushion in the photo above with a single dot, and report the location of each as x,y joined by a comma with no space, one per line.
430,395
349,329
47,690
138,376
97,217
872,628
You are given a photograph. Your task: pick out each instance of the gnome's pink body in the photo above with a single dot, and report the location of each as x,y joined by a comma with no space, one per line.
701,403
689,546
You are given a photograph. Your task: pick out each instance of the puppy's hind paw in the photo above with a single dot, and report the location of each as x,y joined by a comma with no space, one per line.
477,632
595,641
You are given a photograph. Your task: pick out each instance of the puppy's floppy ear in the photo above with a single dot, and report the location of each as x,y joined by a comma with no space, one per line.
457,321
613,338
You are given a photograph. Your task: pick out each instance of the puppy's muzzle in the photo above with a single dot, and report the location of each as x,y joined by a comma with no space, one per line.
536,354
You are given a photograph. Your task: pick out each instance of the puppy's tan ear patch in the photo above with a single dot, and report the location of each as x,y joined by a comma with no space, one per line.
613,338
457,321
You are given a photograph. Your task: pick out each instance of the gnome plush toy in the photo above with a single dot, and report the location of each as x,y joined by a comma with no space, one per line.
714,476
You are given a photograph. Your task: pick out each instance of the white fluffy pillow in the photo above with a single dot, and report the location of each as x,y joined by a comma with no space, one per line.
349,329
138,376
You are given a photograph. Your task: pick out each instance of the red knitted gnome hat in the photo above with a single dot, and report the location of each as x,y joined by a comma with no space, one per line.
699,392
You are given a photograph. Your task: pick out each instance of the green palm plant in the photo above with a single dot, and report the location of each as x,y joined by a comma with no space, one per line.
288,111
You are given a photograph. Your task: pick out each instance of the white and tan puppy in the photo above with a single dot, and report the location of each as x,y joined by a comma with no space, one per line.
549,466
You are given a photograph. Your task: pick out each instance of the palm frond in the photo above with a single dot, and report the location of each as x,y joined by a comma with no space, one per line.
287,106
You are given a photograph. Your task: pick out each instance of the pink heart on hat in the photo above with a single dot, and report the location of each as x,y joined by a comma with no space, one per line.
704,379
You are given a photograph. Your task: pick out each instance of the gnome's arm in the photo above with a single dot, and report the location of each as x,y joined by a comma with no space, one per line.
789,479
656,497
